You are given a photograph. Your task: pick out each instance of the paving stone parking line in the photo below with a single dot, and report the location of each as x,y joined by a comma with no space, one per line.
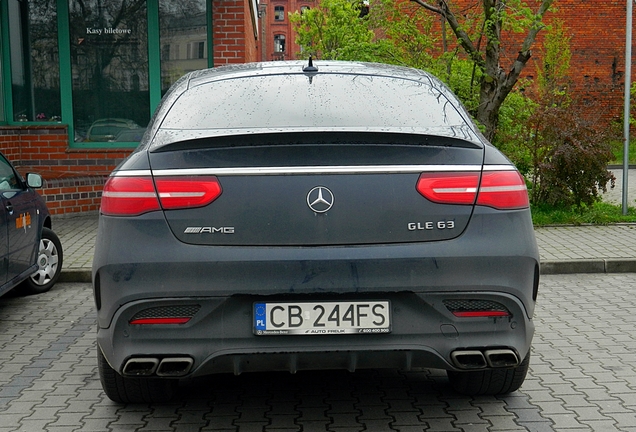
582,377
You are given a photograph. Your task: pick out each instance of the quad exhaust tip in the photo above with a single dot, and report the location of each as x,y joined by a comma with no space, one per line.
140,367
150,366
174,366
469,359
488,358
501,358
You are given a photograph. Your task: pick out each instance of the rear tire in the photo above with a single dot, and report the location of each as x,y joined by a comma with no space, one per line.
133,390
49,262
489,381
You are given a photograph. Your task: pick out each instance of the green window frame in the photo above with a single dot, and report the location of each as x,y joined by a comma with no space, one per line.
65,69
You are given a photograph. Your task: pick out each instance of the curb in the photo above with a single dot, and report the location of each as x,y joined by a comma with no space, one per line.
599,265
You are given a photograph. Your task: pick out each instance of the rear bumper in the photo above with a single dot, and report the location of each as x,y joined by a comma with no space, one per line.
139,264
220,338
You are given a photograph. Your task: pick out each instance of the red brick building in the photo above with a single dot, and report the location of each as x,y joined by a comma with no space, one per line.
278,39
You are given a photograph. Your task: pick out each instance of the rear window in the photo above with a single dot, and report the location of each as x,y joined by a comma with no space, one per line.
325,100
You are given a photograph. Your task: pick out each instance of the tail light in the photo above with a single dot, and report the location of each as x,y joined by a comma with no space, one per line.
133,196
503,190
449,188
187,192
129,196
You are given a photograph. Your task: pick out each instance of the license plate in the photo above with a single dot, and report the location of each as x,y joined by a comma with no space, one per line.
370,317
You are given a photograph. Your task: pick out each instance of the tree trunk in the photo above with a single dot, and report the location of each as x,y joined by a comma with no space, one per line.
496,83
488,111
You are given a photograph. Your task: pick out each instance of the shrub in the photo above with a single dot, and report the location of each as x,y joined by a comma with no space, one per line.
572,153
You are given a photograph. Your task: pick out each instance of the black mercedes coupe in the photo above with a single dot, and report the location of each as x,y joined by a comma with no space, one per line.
290,216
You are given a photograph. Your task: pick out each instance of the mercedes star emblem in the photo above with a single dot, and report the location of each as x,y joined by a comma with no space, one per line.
320,199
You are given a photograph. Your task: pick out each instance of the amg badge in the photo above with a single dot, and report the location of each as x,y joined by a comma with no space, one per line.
209,230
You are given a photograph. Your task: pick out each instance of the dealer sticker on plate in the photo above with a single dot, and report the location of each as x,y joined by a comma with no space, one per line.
322,318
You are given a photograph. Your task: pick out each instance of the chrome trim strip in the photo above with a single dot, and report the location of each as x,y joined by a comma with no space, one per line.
304,170
296,170
131,173
499,168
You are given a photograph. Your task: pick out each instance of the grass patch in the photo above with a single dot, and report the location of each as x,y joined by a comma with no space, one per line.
618,150
600,213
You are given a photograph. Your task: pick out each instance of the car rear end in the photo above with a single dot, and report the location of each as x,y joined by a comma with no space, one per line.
348,218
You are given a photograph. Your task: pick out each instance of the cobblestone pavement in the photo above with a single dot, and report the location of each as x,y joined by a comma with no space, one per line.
588,242
77,235
615,195
582,377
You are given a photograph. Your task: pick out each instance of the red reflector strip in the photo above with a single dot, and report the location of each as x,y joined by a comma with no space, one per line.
473,314
175,320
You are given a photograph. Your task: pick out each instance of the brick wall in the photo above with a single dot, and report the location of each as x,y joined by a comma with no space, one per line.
73,178
234,40
597,44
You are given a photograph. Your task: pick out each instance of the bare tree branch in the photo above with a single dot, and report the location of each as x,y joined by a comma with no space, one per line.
460,34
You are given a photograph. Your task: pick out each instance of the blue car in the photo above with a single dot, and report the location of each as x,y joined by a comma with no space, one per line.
30,252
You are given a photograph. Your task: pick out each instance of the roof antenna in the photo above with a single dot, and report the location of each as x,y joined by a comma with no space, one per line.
310,67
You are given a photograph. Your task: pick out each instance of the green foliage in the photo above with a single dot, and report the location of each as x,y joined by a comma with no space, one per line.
553,70
546,134
618,148
393,32
333,30
461,76
632,91
515,131
511,15
402,34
